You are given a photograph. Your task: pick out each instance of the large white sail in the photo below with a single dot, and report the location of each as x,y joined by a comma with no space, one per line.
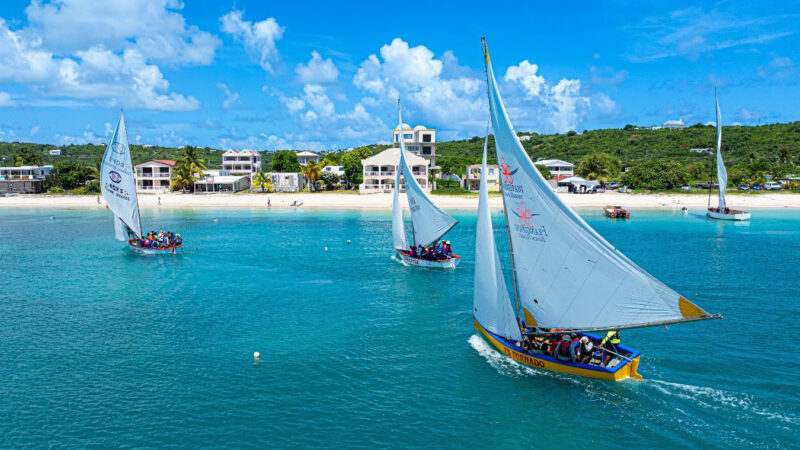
398,227
120,229
722,174
568,276
430,222
491,304
116,179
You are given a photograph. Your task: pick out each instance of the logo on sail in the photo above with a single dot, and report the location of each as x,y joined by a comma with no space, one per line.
508,174
525,215
115,177
118,148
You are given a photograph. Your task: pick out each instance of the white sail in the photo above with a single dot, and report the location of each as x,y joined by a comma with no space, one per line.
567,275
120,229
491,304
398,227
722,174
430,222
116,179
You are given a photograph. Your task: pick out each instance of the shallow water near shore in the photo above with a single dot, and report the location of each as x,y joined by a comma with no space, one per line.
102,347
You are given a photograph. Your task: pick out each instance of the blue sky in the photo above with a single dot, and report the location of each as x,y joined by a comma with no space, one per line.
325,75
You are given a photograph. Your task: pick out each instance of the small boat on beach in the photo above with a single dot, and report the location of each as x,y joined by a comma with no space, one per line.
722,211
428,222
569,282
616,212
118,186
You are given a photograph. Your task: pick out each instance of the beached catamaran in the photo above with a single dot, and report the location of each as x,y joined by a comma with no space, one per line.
428,222
722,212
567,278
119,191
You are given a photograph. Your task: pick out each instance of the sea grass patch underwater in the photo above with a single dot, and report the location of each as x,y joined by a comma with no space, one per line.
105,348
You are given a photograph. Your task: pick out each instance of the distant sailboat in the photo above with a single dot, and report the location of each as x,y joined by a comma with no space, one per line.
567,278
429,223
723,212
119,191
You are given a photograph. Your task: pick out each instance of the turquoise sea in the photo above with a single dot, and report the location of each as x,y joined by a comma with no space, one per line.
102,348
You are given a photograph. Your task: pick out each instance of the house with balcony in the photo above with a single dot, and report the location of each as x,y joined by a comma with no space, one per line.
23,179
558,168
154,175
221,183
306,157
241,162
379,171
287,181
420,141
472,178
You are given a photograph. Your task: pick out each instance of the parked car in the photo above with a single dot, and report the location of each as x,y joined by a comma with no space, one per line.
707,185
743,187
611,184
755,187
686,188
772,186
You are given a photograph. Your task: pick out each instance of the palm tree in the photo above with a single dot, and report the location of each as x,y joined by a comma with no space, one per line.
263,180
312,172
182,176
190,157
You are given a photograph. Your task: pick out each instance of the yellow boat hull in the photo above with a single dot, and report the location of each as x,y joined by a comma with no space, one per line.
518,354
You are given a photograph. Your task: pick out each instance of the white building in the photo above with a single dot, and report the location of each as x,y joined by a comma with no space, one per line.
380,169
288,181
244,162
674,124
336,170
578,185
558,168
701,150
154,175
221,183
25,179
55,152
420,141
305,157
472,179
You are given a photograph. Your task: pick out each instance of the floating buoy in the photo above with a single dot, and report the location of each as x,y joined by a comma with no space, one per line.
256,355
326,249
215,220
348,242
54,217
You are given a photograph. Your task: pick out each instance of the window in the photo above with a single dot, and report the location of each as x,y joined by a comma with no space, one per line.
408,136
491,171
413,148
426,138
397,138
426,150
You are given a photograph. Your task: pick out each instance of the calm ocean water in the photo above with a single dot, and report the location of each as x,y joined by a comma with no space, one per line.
99,347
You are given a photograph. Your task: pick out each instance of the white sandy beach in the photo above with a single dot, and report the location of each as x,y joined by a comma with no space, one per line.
384,201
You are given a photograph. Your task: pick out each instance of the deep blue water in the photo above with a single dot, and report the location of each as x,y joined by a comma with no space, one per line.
99,347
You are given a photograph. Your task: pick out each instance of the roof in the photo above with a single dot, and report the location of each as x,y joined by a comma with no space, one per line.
166,162
307,153
240,152
553,163
391,157
27,167
580,181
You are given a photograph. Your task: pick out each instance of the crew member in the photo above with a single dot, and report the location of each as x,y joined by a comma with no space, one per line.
610,343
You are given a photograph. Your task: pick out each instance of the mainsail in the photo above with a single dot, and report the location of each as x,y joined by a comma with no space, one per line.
722,174
430,222
491,304
398,227
117,182
567,275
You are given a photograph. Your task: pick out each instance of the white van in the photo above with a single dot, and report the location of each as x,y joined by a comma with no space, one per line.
772,186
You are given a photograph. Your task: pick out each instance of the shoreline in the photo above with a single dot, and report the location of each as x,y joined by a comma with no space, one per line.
384,201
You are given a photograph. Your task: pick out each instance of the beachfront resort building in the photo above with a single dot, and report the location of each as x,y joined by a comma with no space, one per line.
154,175
306,157
23,179
221,183
472,179
558,169
674,124
379,171
287,181
241,162
420,141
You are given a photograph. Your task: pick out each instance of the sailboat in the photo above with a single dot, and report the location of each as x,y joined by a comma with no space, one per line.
429,222
722,211
119,191
568,280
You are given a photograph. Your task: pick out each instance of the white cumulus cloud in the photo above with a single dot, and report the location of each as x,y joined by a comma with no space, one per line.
258,38
6,101
231,98
317,70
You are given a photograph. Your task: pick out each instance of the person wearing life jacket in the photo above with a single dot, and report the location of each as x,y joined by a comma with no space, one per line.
561,349
585,350
574,348
610,343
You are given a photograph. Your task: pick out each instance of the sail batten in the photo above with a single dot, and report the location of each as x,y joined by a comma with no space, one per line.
567,274
429,222
117,181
